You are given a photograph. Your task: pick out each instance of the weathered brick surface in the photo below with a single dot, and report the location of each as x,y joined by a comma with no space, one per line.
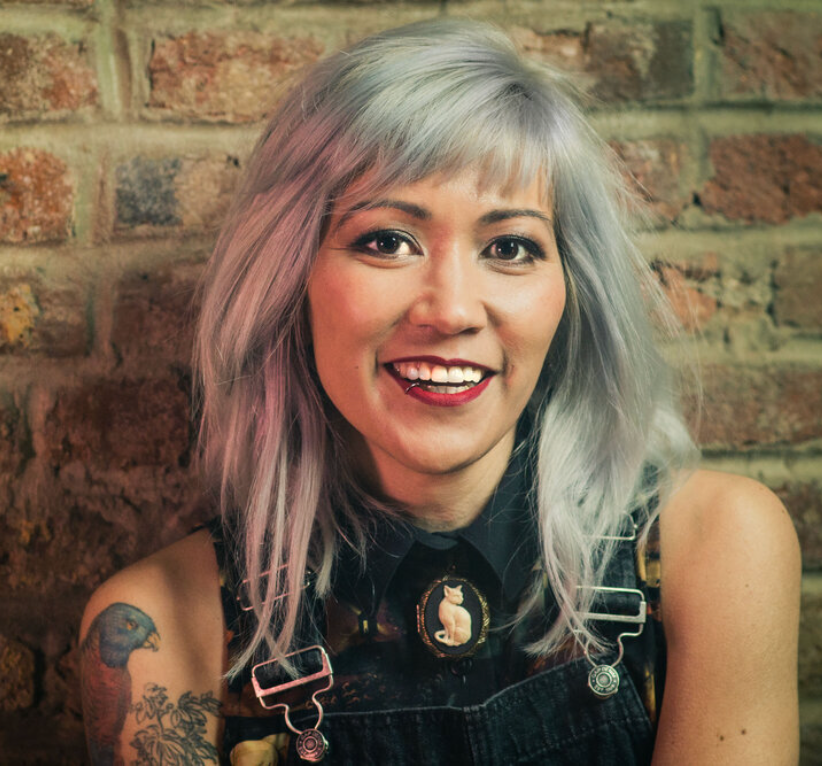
223,76
117,486
810,738
93,522
14,451
626,61
106,479
804,502
36,197
810,645
70,3
173,192
685,287
16,675
798,282
764,178
771,55
654,169
747,407
154,315
120,424
46,556
37,317
11,438
145,193
42,76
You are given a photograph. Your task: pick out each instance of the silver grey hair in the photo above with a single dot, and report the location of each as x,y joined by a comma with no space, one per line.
436,96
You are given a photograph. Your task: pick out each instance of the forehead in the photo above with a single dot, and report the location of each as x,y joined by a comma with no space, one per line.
474,183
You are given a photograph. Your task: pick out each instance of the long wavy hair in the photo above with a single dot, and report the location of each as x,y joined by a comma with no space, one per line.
437,96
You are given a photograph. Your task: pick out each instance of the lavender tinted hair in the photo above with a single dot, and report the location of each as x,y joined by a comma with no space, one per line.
437,96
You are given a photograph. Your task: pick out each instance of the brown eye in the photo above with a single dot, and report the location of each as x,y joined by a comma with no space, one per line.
515,250
131,625
387,243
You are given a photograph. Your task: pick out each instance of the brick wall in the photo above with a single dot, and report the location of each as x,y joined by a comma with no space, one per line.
123,127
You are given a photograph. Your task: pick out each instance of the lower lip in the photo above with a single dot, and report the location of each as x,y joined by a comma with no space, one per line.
441,400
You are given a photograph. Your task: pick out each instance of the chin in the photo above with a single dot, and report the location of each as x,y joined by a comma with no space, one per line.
439,457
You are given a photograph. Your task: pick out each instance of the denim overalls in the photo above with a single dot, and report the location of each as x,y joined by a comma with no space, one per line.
550,716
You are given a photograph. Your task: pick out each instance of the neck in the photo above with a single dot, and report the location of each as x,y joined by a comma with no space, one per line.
443,501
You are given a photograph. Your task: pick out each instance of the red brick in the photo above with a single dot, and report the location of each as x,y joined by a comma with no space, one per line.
110,424
798,282
764,178
44,75
36,197
16,675
11,436
683,287
563,49
173,192
804,502
154,316
640,61
92,522
224,76
654,168
773,55
810,645
810,733
14,449
62,679
748,407
39,318
70,3
70,548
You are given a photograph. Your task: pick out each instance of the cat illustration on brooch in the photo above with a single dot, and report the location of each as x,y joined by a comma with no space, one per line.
455,619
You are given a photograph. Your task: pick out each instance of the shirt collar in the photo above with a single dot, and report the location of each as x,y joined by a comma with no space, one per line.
504,534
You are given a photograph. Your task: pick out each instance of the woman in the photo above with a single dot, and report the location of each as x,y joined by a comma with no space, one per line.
435,418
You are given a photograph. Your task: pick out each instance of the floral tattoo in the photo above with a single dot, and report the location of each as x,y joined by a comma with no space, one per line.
175,734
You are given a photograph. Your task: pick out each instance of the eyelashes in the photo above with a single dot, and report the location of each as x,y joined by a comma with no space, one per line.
510,249
391,244
386,243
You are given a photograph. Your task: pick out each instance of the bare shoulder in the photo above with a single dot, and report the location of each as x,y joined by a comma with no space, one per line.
730,575
729,524
173,583
152,655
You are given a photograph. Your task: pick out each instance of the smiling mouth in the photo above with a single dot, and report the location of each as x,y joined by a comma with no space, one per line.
439,379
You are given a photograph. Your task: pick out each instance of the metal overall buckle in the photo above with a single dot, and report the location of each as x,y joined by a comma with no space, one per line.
603,679
243,596
312,746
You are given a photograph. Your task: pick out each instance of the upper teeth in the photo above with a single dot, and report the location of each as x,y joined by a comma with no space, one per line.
437,373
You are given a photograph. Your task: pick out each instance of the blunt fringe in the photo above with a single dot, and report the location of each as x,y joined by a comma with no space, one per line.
436,96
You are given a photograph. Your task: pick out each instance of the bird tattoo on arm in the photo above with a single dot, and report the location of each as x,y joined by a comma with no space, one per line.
114,634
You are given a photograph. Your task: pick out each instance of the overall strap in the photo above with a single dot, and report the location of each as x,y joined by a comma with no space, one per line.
634,571
240,620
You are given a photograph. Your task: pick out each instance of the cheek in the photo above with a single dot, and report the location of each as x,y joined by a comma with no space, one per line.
535,322
344,323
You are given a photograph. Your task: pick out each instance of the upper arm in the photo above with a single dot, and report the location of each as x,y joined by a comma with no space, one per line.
152,657
730,592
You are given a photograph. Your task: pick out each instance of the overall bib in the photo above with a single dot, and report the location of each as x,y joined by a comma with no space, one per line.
550,716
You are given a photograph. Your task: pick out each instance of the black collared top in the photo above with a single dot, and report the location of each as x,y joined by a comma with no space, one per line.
369,622
380,659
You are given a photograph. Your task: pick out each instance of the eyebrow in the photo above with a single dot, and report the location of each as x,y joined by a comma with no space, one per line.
494,216
420,213
406,207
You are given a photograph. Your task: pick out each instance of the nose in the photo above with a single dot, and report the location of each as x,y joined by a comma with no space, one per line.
450,295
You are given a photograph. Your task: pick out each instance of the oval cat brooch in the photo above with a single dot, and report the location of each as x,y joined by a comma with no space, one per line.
453,618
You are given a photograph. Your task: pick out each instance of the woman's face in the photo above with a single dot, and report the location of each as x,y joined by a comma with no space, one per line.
432,307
